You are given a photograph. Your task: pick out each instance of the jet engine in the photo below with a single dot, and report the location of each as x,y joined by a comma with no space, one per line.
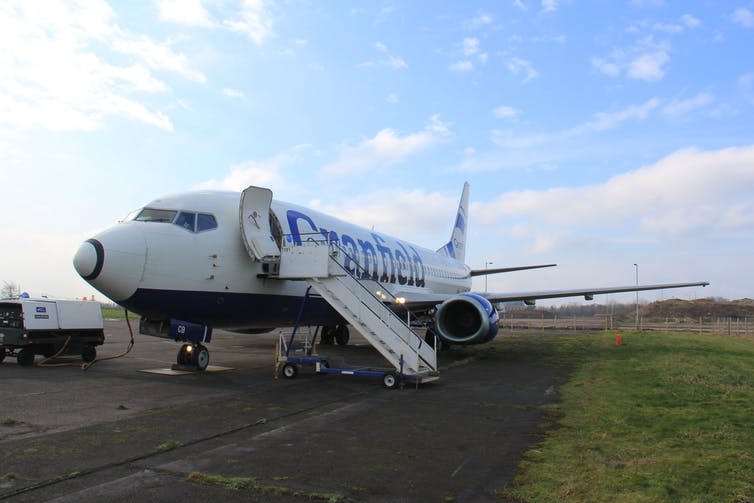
467,318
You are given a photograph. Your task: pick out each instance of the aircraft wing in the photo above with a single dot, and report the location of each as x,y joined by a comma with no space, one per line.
417,300
483,272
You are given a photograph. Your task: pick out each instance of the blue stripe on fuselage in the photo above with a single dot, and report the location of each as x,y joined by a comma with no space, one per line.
230,310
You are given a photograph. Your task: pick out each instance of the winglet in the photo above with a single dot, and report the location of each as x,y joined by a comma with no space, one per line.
456,247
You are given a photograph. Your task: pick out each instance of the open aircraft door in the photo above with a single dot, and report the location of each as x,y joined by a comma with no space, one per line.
255,224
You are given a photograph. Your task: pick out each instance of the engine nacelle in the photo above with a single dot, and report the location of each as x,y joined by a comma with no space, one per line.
467,318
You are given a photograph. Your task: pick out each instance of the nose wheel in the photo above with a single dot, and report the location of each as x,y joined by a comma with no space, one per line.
193,355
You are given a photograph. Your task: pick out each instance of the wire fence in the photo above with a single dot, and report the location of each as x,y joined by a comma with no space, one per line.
726,326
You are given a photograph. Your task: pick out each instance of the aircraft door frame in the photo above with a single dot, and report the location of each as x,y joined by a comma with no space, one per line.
254,215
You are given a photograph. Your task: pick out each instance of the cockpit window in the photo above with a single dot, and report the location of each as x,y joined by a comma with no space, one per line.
155,215
205,222
186,220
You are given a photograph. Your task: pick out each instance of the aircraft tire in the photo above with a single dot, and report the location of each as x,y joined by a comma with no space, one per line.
2,354
290,371
25,357
341,335
89,353
183,357
328,336
201,357
390,380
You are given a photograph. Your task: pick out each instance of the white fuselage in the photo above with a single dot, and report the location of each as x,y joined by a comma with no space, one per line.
163,270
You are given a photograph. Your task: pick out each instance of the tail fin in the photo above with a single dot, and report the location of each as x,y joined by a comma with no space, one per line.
456,247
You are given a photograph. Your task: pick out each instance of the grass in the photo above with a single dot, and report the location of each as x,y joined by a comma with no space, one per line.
118,313
168,445
9,421
662,418
253,484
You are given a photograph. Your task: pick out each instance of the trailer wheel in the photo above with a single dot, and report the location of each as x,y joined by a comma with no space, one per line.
89,353
290,371
25,357
201,357
390,380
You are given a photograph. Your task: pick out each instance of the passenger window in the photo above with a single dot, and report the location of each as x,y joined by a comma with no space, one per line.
186,220
205,222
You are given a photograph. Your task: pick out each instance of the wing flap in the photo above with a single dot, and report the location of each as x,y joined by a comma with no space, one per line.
421,300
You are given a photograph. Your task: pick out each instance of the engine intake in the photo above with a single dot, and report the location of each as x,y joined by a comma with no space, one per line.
467,318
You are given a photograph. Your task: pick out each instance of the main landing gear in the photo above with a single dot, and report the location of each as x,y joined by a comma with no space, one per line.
338,333
194,355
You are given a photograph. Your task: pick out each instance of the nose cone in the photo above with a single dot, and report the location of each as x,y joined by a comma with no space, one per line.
113,261
89,259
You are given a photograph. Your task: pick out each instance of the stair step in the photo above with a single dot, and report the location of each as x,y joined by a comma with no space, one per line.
345,294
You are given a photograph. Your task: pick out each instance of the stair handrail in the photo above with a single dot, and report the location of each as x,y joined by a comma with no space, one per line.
321,240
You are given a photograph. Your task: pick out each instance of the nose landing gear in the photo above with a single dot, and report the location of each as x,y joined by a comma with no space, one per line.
193,355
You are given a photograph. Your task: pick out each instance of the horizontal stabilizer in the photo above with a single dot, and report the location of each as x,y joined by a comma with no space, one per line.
484,272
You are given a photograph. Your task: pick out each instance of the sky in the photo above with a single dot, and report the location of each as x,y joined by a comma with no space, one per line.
596,135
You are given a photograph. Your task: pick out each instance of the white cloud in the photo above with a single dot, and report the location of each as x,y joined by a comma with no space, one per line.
690,21
253,20
610,69
668,28
506,112
685,192
602,121
232,93
549,5
470,46
157,56
480,20
517,65
648,66
263,173
744,17
188,12
746,81
462,66
392,98
387,147
645,60
520,4
609,120
388,60
72,66
421,215
682,107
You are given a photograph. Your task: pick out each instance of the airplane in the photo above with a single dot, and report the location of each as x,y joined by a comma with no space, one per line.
211,259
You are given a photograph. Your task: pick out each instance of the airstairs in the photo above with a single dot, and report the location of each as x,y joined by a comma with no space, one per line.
364,303
320,264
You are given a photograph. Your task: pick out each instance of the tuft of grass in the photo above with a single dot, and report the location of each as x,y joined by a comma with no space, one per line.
9,421
168,445
665,417
253,484
118,313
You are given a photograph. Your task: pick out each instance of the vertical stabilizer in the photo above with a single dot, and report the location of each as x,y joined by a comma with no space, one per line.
456,247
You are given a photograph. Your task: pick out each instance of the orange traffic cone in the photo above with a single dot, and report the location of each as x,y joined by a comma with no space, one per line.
618,338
